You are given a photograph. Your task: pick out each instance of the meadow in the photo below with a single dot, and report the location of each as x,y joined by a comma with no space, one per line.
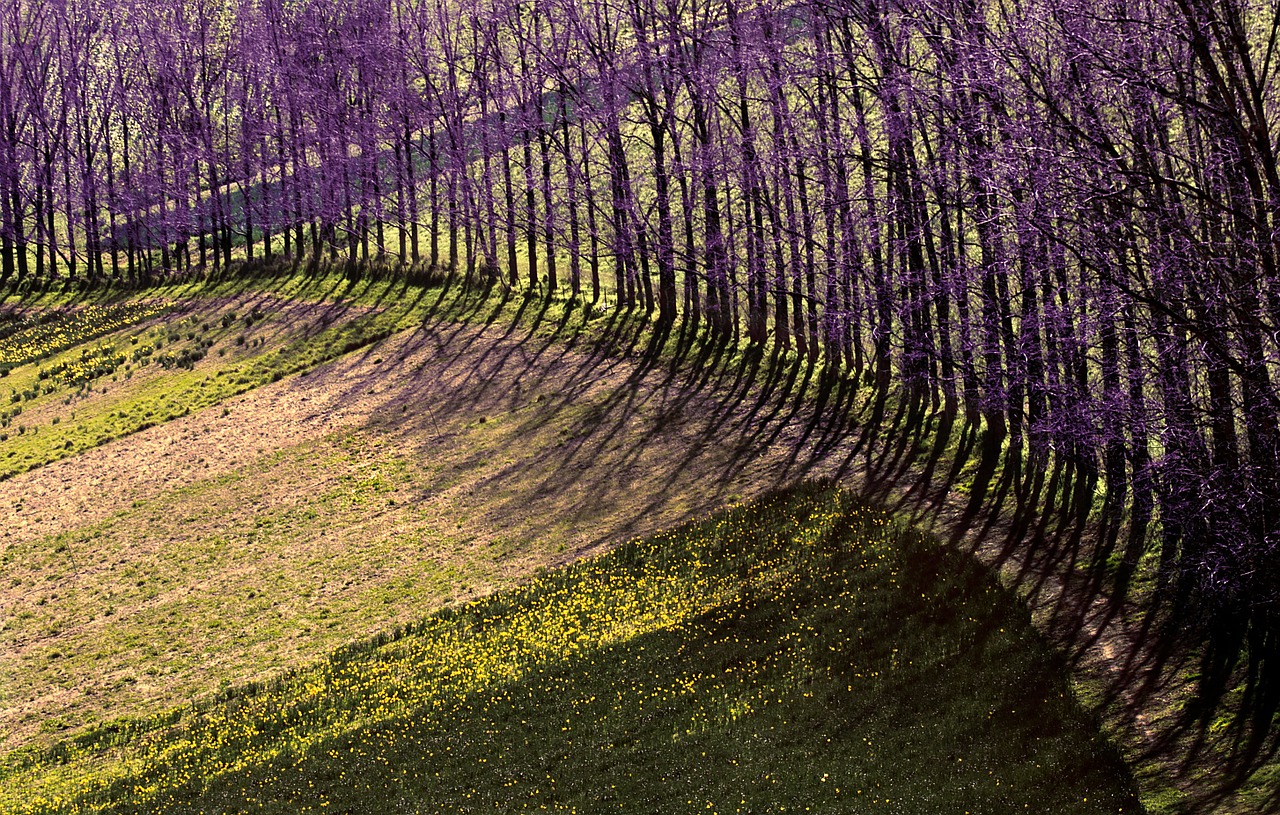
294,495
797,653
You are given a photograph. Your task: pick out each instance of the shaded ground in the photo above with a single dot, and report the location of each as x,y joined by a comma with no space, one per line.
441,463
505,449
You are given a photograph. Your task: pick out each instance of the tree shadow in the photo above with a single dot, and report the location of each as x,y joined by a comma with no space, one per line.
671,421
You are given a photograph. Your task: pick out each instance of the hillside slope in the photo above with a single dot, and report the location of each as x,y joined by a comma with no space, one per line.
800,653
489,437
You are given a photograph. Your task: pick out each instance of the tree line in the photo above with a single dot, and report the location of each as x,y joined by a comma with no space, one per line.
1057,216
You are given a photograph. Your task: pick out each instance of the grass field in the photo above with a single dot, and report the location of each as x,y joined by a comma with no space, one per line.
801,653
222,489
82,395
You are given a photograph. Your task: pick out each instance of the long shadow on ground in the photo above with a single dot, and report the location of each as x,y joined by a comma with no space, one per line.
676,432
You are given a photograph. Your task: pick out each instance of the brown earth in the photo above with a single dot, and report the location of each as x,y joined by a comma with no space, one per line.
280,321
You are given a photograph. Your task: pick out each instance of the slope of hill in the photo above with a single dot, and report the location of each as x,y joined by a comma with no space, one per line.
800,653
345,457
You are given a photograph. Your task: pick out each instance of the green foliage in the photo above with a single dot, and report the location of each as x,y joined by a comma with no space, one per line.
798,653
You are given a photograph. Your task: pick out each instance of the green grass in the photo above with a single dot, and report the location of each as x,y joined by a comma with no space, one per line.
184,389
50,331
560,321
290,556
798,653
102,620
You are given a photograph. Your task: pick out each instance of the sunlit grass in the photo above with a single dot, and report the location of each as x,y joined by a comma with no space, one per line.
801,652
186,387
46,333
265,567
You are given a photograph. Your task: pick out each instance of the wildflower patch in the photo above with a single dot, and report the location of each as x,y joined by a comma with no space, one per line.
36,337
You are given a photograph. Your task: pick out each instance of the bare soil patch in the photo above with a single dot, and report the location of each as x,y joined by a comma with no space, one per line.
99,482
226,329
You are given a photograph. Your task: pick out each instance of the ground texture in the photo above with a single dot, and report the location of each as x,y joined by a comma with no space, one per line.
450,459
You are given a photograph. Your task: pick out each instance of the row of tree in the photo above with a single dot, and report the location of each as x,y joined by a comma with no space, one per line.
1060,215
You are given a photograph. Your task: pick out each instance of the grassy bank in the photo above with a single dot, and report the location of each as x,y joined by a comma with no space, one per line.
798,653
529,444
